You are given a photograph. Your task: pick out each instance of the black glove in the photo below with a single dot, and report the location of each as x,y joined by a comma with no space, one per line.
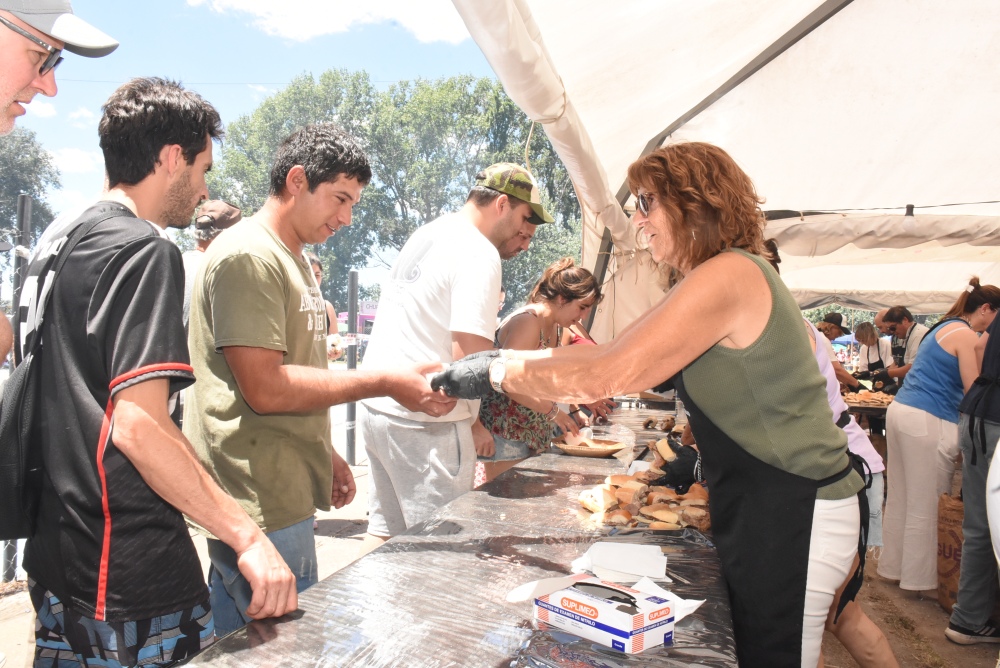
468,378
882,376
862,375
891,388
681,472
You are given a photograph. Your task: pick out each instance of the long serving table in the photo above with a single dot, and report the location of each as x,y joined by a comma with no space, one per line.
435,596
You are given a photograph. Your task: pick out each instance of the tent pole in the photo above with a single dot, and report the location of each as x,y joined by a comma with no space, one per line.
601,268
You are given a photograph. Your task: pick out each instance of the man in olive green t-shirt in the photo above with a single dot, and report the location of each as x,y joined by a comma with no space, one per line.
258,415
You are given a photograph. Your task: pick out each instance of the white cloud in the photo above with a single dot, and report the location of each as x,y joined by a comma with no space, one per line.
41,108
301,20
69,201
78,161
82,118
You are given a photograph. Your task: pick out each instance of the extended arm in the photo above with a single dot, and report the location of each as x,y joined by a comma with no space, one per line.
268,386
726,300
144,433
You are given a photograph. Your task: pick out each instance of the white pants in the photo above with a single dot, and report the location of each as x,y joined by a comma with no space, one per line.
922,452
833,545
993,503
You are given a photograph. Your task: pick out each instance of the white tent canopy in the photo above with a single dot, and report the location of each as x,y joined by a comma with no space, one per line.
829,106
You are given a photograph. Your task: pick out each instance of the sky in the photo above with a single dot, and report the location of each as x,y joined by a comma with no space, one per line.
235,53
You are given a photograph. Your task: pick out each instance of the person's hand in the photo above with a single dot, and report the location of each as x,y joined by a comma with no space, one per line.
271,581
483,440
565,422
601,409
344,487
863,375
412,390
580,418
881,376
467,378
333,353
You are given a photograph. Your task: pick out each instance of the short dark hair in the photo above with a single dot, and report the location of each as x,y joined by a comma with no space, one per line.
142,117
896,314
324,151
483,196
314,259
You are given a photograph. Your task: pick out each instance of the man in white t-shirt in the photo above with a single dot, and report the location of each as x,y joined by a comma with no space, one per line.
440,304
899,321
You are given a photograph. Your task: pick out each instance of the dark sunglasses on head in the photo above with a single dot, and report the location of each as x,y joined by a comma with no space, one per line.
643,202
55,55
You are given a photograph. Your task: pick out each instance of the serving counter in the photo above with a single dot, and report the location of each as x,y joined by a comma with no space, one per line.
436,595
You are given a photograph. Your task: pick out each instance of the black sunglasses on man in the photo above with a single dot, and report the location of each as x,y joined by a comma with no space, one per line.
55,55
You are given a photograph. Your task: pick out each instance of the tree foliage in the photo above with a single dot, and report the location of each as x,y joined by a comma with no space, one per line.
25,167
426,141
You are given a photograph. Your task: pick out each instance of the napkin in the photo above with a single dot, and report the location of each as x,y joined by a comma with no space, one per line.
623,562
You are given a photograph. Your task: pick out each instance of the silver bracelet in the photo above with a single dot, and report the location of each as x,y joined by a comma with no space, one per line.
553,412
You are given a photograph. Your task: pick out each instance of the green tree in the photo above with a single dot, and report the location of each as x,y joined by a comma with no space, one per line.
25,167
426,141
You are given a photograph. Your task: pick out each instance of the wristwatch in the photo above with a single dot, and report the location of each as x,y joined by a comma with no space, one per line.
498,371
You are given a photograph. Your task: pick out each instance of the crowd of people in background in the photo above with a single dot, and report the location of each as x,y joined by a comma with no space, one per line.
942,413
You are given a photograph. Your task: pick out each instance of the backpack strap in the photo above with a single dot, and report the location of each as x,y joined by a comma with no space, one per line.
34,341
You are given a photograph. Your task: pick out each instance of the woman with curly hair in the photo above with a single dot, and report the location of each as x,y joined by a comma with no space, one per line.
786,515
521,425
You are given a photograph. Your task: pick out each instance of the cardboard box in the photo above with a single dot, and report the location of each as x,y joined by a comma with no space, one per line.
609,613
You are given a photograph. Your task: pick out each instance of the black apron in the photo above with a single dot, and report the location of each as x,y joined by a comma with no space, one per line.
761,523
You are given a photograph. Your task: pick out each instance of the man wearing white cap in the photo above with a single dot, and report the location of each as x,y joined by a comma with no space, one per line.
33,35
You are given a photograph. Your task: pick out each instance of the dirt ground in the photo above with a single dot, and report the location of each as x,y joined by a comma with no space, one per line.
915,628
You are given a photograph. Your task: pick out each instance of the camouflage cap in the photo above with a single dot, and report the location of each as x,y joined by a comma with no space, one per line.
515,181
218,214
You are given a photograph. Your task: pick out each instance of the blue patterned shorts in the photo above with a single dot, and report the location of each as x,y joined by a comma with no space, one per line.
66,639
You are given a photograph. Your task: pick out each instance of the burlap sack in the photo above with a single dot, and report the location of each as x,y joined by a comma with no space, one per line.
949,560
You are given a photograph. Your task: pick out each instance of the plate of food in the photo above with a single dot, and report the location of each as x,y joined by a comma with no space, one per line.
592,447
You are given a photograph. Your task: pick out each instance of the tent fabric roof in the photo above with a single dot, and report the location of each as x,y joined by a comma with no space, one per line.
828,105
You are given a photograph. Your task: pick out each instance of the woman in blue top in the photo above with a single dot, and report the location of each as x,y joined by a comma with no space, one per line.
922,435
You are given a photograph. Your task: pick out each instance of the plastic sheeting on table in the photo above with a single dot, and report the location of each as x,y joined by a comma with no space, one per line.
436,596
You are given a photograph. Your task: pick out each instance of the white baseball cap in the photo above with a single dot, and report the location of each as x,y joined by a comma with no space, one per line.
56,18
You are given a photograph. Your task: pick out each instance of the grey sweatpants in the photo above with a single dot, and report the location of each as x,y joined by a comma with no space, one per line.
416,468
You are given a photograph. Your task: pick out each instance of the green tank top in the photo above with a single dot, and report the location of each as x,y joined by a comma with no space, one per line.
774,405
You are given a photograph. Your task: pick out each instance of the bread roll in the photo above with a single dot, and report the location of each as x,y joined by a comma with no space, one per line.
696,517
660,497
668,424
696,491
598,499
628,495
617,517
664,490
664,526
663,447
694,502
661,512
618,480
649,423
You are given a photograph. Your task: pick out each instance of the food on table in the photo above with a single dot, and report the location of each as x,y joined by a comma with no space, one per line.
627,495
663,448
618,517
598,499
668,424
650,423
868,398
625,500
